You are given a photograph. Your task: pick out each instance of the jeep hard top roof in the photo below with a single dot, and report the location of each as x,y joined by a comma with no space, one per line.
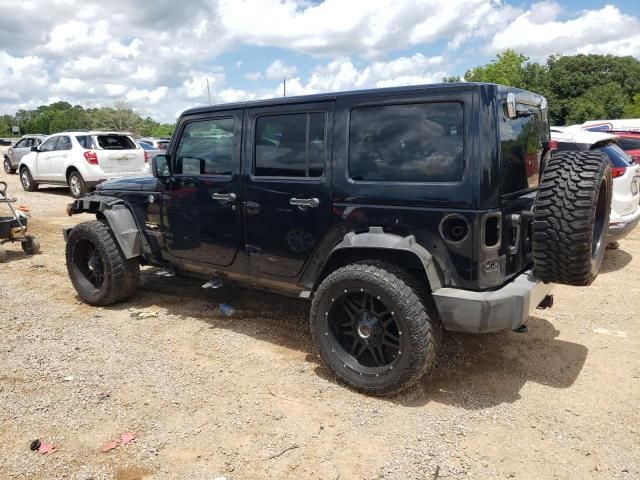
390,91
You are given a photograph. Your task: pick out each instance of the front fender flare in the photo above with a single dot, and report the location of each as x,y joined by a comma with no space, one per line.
119,217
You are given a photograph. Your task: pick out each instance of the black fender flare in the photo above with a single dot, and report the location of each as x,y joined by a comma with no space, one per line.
118,215
377,238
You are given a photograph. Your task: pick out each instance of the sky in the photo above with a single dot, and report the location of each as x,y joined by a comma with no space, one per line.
157,55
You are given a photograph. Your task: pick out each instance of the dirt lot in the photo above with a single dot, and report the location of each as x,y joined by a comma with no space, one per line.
242,397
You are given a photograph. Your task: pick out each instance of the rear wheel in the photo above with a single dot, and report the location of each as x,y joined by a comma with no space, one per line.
373,327
8,168
97,267
27,180
76,184
571,217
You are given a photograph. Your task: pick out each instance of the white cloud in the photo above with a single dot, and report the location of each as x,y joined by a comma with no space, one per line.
539,33
253,76
278,70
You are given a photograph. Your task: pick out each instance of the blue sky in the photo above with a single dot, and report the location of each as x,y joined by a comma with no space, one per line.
157,56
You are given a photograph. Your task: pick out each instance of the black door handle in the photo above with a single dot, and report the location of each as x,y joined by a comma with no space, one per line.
252,208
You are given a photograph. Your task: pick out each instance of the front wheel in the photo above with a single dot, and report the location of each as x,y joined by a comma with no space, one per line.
76,185
97,267
27,180
375,327
8,168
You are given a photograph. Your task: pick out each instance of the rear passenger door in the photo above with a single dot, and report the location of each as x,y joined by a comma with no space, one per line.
287,185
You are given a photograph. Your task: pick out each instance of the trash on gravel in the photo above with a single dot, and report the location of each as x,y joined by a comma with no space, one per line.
42,447
164,273
147,314
611,333
68,378
126,437
215,282
226,310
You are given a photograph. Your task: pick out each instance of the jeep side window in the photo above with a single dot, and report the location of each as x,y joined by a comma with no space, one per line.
521,150
290,145
206,148
421,142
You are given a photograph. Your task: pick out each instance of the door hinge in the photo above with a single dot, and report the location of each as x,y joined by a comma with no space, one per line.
252,250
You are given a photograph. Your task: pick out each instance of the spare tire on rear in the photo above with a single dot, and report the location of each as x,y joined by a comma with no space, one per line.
571,217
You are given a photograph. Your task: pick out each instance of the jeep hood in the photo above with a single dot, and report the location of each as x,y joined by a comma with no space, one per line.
137,184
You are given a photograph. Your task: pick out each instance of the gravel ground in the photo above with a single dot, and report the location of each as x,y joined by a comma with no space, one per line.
242,397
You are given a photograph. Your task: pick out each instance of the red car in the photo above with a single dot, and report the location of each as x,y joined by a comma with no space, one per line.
630,143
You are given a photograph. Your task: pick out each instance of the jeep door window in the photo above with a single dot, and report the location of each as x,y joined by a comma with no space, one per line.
420,142
290,145
206,148
521,148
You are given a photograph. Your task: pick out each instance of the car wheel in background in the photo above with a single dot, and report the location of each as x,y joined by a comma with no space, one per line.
8,168
76,185
27,180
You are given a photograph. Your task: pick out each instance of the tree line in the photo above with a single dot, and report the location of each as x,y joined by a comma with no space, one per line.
60,116
577,87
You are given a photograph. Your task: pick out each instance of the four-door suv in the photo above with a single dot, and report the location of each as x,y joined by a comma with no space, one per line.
397,211
82,159
20,149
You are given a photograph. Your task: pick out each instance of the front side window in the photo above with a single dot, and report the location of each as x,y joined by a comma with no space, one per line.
521,148
64,143
206,148
420,142
22,143
49,145
291,145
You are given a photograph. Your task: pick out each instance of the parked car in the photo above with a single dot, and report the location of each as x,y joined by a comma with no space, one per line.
149,149
15,153
81,160
625,208
5,143
630,143
397,211
156,143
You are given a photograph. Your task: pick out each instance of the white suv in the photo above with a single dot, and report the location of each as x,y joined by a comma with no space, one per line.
82,160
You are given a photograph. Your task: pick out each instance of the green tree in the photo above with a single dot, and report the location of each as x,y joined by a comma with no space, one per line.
506,69
632,110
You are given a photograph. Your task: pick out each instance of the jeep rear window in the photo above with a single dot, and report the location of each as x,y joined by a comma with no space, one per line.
115,142
420,142
521,146
206,148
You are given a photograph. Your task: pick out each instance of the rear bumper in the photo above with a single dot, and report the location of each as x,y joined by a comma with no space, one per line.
482,312
623,226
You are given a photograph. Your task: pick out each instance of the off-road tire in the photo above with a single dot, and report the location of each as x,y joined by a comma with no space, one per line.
77,185
121,275
571,217
31,245
26,179
415,315
8,168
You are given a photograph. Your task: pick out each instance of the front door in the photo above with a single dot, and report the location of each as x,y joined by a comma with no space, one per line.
44,158
201,214
286,198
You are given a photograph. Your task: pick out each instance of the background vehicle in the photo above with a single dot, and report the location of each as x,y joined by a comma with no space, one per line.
156,143
22,147
397,211
81,160
630,143
149,149
625,208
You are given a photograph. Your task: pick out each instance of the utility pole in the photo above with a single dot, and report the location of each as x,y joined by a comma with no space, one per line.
284,87
208,91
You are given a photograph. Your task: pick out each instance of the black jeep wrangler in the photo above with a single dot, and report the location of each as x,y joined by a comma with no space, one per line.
398,212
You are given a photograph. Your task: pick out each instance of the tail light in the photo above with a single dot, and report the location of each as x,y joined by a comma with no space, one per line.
618,171
91,157
146,157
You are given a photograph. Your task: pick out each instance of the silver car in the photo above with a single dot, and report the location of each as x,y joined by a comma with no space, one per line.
19,150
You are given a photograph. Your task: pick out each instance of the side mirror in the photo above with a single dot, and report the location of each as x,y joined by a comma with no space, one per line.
35,149
160,166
